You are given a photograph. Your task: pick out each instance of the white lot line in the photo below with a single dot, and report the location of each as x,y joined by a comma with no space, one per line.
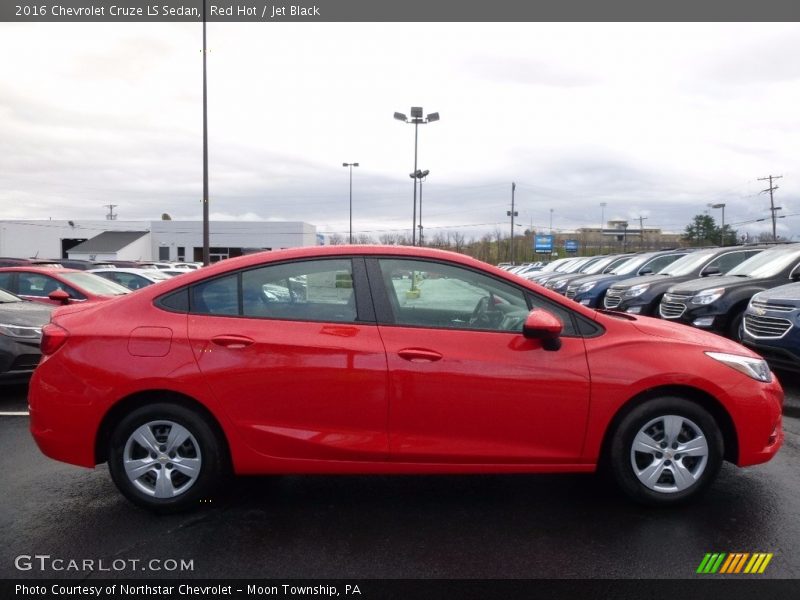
13,413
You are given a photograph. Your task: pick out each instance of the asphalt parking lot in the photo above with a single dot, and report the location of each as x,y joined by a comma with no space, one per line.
556,526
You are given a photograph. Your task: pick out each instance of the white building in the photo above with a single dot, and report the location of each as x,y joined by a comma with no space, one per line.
148,240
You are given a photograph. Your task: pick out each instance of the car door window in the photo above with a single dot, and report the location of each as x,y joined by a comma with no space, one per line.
729,260
5,281
660,262
41,286
430,294
319,290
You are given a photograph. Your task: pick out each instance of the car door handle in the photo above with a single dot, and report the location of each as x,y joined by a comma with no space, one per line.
419,355
234,342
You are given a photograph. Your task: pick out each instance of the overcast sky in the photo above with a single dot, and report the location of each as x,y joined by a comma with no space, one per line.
655,120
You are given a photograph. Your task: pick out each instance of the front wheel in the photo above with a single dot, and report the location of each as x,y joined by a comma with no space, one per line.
666,451
165,457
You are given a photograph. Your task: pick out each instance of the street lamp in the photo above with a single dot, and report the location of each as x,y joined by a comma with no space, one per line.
206,226
421,175
351,165
722,229
416,119
551,221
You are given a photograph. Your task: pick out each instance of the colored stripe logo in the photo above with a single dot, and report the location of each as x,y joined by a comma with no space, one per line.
734,563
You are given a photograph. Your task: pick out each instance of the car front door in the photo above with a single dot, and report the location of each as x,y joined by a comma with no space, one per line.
293,354
465,385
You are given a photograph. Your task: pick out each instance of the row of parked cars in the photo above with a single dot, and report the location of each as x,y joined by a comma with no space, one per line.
750,294
31,288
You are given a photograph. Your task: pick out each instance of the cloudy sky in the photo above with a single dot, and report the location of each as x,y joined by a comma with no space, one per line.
657,120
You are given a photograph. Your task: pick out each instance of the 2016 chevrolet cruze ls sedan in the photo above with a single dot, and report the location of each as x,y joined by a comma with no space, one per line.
389,360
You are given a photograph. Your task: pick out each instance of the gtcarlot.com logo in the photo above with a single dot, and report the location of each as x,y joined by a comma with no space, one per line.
734,563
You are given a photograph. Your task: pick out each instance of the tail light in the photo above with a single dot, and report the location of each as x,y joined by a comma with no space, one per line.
53,337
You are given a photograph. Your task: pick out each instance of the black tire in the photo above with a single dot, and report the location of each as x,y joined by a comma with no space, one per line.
663,492
203,444
735,330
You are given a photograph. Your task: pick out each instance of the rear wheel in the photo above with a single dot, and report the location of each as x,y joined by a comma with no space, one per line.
165,457
736,329
666,451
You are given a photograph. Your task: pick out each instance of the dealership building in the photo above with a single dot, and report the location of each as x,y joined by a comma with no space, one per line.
148,240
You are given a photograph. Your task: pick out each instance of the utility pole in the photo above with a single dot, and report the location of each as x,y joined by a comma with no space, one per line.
641,229
206,225
111,216
512,213
602,223
773,209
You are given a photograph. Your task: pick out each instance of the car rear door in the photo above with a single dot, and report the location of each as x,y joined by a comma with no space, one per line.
465,385
293,353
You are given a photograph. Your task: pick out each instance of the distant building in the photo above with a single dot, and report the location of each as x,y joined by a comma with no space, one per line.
148,240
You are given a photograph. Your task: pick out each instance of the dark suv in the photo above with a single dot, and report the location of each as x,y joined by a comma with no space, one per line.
718,304
606,264
772,326
590,290
642,295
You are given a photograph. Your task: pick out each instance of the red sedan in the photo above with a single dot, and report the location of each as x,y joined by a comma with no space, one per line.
57,286
389,360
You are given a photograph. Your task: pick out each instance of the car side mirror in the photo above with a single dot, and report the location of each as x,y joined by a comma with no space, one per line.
59,296
646,271
711,271
543,325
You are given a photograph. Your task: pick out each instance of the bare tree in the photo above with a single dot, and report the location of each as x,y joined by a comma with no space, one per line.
336,239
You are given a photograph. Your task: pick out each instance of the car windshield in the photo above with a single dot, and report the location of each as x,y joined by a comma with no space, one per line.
632,264
6,297
89,282
689,263
766,264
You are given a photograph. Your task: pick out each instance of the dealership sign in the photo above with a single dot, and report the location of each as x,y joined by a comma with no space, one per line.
543,243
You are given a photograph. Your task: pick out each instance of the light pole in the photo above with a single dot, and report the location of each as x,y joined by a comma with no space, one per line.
551,221
206,236
421,175
511,213
602,223
722,229
351,165
416,119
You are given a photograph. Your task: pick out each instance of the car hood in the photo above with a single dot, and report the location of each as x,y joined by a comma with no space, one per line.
788,293
706,283
689,335
25,314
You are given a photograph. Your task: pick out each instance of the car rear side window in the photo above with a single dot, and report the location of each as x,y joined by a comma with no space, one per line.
316,290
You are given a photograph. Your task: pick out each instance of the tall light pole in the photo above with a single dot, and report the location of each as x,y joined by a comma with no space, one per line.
511,213
416,119
351,165
206,255
602,223
722,229
551,221
421,175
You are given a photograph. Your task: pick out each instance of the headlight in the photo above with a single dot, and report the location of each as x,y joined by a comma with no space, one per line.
756,368
637,290
708,296
557,285
18,331
586,287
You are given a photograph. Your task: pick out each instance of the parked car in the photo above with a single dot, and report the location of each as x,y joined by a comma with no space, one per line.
574,265
472,371
7,261
591,290
133,279
20,334
770,326
642,295
551,267
605,264
718,303
57,286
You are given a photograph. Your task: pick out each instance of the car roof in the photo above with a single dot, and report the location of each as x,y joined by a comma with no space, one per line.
40,270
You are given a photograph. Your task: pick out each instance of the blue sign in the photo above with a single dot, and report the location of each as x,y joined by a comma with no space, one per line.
571,245
543,243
